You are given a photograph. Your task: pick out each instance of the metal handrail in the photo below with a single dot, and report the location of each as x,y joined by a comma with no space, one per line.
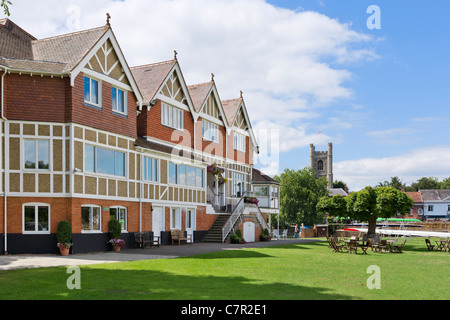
238,210
237,213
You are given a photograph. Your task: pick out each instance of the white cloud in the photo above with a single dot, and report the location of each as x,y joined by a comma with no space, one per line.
408,167
283,60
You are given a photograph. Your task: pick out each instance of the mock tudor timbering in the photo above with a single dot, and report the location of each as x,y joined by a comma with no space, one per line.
86,138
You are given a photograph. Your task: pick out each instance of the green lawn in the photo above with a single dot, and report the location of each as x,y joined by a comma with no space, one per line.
297,271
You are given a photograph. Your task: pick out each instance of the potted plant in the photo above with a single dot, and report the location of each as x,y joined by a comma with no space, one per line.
115,230
251,200
64,237
265,236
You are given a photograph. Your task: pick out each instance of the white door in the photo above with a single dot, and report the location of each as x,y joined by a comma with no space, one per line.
249,231
157,221
190,222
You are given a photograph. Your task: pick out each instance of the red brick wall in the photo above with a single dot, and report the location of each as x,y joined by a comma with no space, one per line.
83,114
35,98
149,124
70,209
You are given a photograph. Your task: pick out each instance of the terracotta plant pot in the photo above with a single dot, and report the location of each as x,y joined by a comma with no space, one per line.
116,248
64,252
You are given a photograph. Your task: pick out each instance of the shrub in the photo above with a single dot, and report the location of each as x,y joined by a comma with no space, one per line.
115,228
237,237
64,232
265,235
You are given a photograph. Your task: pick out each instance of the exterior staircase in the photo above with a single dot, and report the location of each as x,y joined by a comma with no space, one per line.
215,232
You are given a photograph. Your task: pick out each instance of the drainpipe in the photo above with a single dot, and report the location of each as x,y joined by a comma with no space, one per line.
6,157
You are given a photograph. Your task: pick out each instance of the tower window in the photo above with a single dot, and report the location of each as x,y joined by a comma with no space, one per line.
320,165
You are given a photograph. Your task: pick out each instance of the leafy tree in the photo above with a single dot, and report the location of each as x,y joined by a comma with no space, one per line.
300,192
5,5
335,206
394,183
340,184
445,184
370,204
426,183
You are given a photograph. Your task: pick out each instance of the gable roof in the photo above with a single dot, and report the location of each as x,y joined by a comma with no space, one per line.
435,194
150,77
259,177
416,196
69,48
64,55
231,108
199,93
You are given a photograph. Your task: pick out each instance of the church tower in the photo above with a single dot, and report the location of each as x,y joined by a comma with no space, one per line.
322,163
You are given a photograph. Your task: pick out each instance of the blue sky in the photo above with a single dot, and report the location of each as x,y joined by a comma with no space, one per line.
381,96
404,94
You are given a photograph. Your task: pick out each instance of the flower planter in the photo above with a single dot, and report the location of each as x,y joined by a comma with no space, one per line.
64,251
116,248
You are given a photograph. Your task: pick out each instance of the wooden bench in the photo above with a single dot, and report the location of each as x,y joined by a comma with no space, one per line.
143,239
178,235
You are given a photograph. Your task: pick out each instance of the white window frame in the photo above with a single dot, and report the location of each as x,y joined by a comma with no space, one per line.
124,224
238,177
430,208
191,221
210,131
36,154
172,117
155,171
115,162
177,172
99,230
239,142
36,205
175,223
99,91
125,94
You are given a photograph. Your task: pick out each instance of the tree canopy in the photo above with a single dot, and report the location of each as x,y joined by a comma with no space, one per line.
368,205
300,192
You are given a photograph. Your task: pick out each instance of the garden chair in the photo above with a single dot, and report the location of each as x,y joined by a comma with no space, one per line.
398,248
429,245
382,246
337,247
284,235
353,246
275,234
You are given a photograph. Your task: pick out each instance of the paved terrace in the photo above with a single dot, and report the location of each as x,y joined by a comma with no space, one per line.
11,262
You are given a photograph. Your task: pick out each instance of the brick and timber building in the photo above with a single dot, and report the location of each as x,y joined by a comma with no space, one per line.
87,138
